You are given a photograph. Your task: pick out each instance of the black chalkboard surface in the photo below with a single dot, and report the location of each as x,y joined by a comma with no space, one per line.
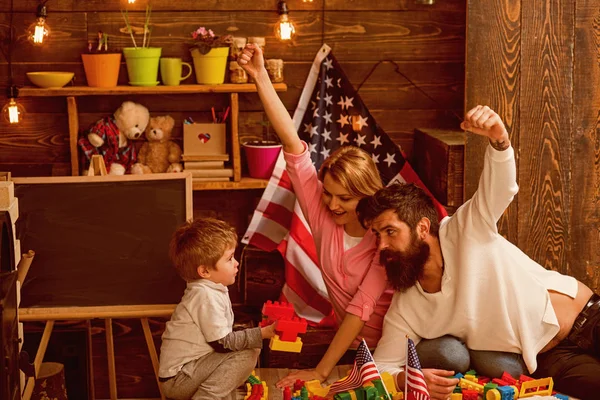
103,240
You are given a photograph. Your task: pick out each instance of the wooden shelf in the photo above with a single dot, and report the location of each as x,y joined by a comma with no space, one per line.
242,184
232,90
150,90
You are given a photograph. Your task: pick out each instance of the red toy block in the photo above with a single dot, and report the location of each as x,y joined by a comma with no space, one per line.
469,394
289,328
506,377
273,311
257,392
483,380
287,393
298,384
525,378
500,382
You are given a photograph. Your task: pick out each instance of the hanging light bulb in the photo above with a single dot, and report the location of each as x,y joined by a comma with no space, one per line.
12,111
284,30
39,30
131,1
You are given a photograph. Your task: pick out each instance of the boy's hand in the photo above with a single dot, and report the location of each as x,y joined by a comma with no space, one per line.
484,121
268,332
252,60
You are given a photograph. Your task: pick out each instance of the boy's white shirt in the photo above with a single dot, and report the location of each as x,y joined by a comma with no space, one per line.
203,315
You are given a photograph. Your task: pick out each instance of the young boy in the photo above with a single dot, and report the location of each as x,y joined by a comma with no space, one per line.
201,357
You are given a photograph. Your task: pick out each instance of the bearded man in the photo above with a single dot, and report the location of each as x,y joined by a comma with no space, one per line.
462,288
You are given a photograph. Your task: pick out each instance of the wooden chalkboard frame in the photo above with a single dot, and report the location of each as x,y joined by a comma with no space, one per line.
142,311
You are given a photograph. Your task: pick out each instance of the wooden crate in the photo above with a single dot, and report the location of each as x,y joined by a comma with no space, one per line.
438,159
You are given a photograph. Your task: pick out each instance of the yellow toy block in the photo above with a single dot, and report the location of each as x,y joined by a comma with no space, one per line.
390,384
315,389
471,378
280,345
537,384
456,396
467,384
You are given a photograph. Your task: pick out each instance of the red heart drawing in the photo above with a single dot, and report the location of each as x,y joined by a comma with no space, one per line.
204,137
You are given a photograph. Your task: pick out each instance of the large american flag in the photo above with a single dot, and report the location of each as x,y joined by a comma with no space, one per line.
330,114
416,387
363,371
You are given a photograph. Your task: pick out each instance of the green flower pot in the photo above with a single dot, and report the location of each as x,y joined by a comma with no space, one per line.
142,65
210,67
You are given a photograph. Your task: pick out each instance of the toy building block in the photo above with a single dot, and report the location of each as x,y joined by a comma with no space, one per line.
561,396
471,372
304,393
470,395
273,311
315,389
470,385
471,378
500,382
456,396
253,380
389,382
506,377
525,378
298,385
492,394
289,328
507,392
487,387
536,387
279,345
482,380
287,393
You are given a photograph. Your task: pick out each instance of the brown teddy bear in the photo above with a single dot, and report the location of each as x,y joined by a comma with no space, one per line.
159,153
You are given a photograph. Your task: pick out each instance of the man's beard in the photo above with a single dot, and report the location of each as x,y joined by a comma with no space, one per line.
404,268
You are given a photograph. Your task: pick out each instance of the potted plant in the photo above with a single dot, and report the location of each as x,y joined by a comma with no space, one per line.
101,67
142,61
210,53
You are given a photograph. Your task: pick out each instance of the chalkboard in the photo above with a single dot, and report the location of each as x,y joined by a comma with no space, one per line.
101,241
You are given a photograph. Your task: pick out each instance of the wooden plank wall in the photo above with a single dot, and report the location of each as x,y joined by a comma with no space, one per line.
426,42
537,64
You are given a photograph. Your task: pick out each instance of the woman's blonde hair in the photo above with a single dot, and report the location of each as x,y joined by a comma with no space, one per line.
202,241
354,169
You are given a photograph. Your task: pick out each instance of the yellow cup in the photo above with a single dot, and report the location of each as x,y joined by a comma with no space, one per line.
171,71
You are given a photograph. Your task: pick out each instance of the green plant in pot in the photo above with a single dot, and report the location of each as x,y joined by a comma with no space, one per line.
142,61
210,53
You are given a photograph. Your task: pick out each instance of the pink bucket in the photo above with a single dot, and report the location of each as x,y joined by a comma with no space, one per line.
261,157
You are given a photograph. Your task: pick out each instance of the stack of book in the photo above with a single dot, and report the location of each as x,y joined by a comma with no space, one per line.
207,168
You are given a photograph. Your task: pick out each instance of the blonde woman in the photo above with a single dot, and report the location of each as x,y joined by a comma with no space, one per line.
355,281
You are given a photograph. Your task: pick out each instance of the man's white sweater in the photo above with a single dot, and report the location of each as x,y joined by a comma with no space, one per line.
493,296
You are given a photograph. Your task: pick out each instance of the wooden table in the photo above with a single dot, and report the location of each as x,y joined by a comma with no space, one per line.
272,375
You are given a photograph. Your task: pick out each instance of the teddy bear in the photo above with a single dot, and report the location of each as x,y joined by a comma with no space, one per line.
111,137
159,153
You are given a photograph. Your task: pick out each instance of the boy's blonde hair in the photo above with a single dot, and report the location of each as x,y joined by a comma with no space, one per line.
202,241
354,169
